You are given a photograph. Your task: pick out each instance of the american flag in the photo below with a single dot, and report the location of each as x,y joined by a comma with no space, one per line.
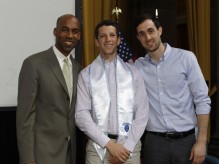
123,49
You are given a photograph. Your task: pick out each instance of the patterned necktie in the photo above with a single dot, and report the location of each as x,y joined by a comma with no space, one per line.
67,74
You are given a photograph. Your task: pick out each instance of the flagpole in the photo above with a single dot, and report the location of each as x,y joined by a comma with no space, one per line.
156,13
123,48
117,11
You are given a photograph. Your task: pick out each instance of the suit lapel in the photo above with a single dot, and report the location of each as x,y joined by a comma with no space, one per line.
75,79
56,69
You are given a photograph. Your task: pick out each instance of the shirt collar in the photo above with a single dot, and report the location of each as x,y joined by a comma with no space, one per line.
60,56
106,61
165,55
167,51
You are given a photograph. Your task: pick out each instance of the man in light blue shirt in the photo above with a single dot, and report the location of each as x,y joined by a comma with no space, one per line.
178,99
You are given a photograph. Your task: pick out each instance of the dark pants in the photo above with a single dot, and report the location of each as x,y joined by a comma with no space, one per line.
68,159
158,150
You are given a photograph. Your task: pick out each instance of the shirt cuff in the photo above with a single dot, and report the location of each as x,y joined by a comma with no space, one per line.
129,145
103,140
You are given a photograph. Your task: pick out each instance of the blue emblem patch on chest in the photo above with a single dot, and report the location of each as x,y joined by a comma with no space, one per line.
126,127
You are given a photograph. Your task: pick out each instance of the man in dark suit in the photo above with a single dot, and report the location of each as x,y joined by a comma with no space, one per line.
46,103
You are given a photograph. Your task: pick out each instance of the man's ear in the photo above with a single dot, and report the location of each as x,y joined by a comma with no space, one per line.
137,37
160,29
54,31
96,43
119,41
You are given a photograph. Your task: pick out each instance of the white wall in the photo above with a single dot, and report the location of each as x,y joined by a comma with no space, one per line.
26,27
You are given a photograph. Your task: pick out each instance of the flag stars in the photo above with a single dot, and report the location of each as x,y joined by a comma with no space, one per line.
123,49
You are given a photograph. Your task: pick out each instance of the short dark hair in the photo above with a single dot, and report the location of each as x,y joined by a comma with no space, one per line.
144,17
106,23
64,16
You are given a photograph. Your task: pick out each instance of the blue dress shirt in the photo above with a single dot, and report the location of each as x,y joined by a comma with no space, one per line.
176,89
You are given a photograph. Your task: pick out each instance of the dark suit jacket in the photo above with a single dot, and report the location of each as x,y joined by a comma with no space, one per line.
45,120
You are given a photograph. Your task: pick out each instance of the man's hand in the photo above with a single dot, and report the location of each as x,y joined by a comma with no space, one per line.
118,153
199,148
198,153
113,160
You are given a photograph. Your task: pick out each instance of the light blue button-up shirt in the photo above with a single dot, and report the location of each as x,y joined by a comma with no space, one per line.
176,89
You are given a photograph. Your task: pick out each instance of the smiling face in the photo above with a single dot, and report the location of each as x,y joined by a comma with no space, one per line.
149,35
67,33
107,41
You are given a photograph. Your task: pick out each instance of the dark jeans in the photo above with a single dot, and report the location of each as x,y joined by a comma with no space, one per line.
211,160
158,150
